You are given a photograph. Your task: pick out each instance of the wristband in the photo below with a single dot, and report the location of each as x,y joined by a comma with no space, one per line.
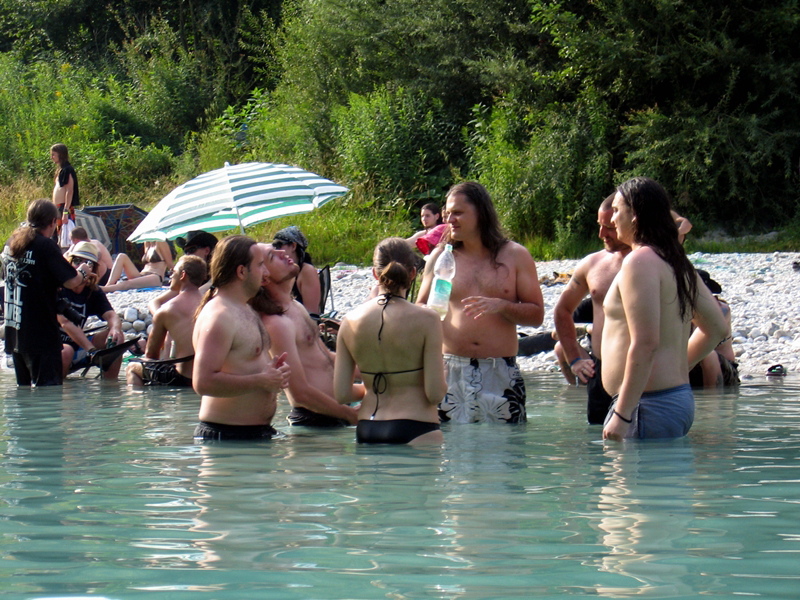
574,361
621,417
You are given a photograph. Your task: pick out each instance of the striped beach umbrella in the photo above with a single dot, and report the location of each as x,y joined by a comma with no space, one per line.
236,197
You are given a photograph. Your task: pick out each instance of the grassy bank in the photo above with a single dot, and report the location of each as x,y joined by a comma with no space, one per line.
347,230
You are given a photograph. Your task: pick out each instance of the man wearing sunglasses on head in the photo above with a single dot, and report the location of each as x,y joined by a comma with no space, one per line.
81,302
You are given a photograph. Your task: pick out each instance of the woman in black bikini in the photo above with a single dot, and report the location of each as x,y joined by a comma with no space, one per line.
157,259
398,348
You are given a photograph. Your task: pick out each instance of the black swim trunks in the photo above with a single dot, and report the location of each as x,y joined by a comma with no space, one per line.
307,418
598,399
164,372
395,431
221,432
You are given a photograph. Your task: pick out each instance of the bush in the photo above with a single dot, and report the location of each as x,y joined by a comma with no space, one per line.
396,142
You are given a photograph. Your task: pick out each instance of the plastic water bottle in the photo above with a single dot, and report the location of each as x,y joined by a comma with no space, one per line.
444,271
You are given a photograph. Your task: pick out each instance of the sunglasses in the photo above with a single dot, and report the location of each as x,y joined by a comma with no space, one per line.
77,261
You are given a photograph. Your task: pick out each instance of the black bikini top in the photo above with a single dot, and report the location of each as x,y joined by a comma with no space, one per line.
379,381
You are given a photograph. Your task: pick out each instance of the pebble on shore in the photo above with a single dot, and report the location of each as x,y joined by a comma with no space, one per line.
758,288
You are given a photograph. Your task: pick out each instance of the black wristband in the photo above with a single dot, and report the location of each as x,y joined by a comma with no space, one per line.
621,417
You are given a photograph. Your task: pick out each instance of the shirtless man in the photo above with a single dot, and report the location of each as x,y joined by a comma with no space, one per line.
495,289
649,308
592,276
176,319
293,333
104,261
233,372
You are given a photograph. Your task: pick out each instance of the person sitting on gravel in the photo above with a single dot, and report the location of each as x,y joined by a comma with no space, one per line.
306,288
157,261
81,302
719,368
175,318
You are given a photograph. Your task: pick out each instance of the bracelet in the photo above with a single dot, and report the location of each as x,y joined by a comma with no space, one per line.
574,361
621,417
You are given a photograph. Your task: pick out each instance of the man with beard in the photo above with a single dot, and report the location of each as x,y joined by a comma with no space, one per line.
293,332
232,372
495,289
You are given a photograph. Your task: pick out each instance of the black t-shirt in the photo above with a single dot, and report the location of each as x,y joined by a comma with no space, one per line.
86,304
63,179
32,283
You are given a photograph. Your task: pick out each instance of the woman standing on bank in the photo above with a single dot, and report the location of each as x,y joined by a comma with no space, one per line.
65,190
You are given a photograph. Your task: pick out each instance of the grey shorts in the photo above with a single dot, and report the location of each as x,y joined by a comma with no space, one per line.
665,413
483,390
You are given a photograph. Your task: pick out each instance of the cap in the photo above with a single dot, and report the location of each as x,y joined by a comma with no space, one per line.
197,239
85,250
712,285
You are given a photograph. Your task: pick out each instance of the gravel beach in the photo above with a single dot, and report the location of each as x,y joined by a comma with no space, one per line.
758,288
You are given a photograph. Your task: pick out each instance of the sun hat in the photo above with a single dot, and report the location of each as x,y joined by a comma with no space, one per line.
85,250
712,285
197,239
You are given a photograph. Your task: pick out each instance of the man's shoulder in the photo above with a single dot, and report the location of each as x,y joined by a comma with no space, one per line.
515,252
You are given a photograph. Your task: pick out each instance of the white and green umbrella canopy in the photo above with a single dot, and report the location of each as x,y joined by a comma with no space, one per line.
236,197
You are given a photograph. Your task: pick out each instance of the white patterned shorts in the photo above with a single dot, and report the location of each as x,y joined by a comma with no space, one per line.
483,390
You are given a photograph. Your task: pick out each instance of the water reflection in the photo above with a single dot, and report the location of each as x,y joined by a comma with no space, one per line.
105,492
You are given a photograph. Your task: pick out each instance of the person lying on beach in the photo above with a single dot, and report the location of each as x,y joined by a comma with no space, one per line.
293,332
175,319
233,373
157,261
87,300
398,348
649,309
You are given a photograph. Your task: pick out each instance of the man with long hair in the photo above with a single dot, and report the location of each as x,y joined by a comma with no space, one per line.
647,349
232,370
35,269
495,289
292,331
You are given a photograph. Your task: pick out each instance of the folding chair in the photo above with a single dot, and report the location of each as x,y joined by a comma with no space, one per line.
325,289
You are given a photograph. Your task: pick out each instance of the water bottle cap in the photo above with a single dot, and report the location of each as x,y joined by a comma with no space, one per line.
448,247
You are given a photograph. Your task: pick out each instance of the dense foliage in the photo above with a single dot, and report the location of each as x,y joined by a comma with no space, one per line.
550,104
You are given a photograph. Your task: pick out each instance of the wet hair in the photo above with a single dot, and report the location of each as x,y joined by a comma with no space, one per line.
231,253
195,268
655,227
41,214
394,262
79,233
434,208
492,236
